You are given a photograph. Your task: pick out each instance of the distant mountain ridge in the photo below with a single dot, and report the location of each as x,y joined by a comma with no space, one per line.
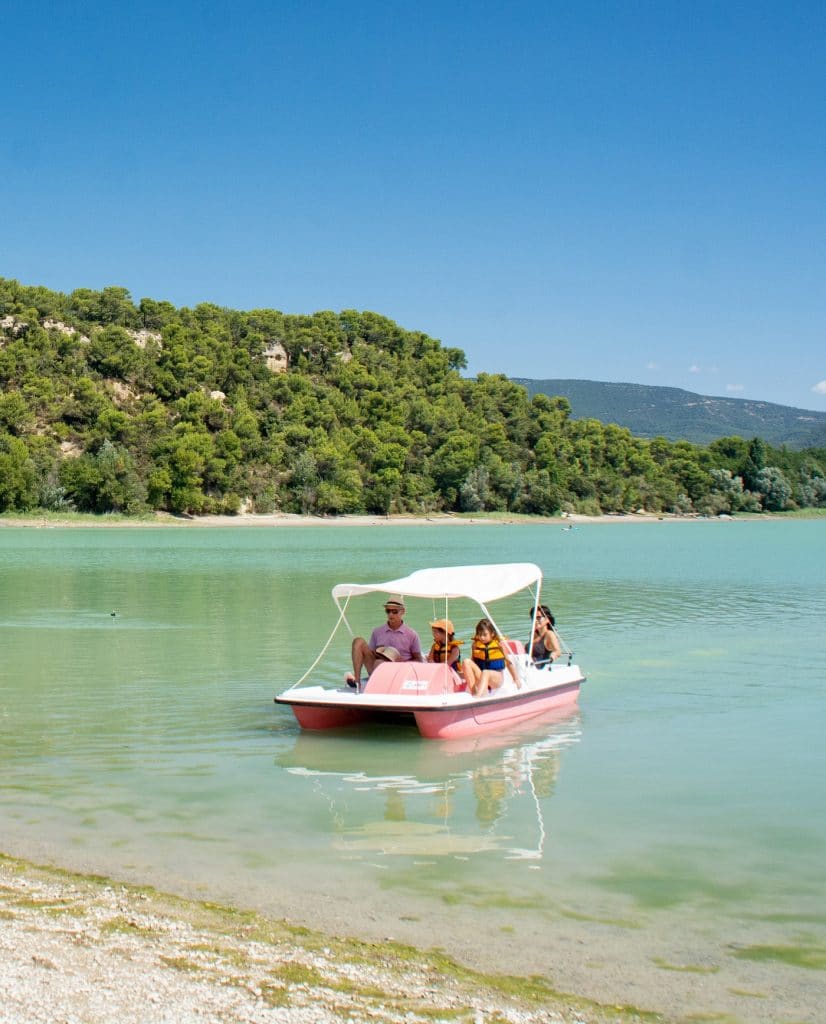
649,411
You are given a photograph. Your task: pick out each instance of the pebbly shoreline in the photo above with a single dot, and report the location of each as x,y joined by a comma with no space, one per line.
74,948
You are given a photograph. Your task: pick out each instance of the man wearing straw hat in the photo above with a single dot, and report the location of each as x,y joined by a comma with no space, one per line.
392,641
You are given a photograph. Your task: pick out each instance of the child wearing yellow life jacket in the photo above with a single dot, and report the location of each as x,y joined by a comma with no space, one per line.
445,649
488,660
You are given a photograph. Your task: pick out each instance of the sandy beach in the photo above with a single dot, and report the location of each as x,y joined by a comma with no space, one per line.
282,519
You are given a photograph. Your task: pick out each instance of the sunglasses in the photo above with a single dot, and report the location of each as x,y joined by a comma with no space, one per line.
392,611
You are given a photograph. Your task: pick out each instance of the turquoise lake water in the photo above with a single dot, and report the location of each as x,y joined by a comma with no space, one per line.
681,807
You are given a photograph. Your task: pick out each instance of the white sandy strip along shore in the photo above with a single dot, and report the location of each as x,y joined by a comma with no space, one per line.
277,519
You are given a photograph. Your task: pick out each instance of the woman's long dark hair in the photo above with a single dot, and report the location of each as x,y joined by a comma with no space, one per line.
546,611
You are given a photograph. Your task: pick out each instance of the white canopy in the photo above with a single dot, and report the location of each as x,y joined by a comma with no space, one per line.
481,583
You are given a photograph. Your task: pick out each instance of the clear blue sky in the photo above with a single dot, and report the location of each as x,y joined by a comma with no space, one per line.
622,191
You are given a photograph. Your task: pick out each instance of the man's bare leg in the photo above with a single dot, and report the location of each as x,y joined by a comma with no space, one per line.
363,657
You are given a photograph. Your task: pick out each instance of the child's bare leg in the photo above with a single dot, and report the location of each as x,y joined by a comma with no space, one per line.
472,675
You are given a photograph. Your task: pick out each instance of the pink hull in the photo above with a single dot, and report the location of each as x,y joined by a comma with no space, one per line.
470,721
443,724
309,717
427,695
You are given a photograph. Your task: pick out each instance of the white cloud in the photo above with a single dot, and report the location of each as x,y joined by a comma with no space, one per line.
734,387
820,389
694,369
651,365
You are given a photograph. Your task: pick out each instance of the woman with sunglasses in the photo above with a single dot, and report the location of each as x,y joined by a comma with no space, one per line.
545,643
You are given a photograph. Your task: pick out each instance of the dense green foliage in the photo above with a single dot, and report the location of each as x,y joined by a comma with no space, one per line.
111,406
679,415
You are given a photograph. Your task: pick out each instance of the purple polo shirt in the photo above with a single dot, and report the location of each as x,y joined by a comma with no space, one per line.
404,639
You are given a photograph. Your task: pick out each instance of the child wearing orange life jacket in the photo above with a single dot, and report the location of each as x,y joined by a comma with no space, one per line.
445,649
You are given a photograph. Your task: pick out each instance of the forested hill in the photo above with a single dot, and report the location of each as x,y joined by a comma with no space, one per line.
683,415
111,405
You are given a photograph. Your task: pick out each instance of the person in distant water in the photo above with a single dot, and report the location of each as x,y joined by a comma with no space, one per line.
445,649
544,643
392,634
483,669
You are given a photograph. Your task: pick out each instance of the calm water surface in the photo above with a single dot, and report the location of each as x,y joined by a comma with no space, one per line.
685,797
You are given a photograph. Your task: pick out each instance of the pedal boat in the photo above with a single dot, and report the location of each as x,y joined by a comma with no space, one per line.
433,696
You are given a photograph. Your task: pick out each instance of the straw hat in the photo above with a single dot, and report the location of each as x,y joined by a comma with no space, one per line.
388,653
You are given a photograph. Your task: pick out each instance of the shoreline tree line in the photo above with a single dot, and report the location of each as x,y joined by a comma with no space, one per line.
107,405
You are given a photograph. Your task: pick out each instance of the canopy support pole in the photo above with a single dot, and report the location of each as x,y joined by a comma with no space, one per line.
325,648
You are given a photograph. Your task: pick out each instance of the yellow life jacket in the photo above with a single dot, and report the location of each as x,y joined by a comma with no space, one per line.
487,653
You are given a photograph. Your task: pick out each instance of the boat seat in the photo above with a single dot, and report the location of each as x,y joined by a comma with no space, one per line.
515,646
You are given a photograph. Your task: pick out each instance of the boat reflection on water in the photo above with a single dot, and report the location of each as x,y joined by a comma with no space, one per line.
386,792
